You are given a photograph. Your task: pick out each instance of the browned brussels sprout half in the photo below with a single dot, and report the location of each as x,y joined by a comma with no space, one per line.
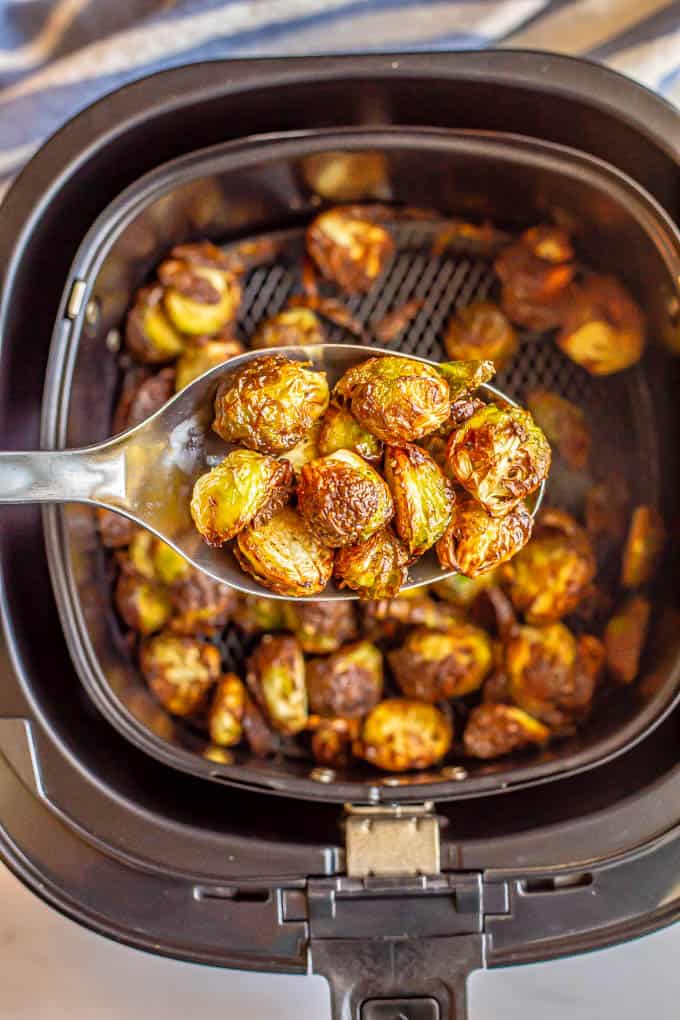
348,248
203,354
603,329
285,556
412,607
462,591
401,734
332,741
374,569
500,456
276,679
245,488
143,605
535,272
341,431
422,496
397,399
644,545
480,331
320,627
225,717
149,335
293,327
179,671
494,729
475,543
255,613
347,683
624,639
270,403
153,559
564,424
202,294
549,577
433,665
201,605
343,499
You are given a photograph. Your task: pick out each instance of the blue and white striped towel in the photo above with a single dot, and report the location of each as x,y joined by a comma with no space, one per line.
57,56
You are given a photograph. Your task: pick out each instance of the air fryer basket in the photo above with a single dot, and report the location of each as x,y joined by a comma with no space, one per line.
244,188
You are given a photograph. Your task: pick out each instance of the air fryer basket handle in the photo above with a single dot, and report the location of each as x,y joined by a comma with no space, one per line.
398,979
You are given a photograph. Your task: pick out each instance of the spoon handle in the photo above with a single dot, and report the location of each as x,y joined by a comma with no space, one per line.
91,475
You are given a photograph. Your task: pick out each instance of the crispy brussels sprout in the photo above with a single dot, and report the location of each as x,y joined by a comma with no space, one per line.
374,569
293,327
245,488
475,542
564,424
115,530
422,496
276,679
149,336
493,730
201,605
341,431
270,403
434,665
285,556
397,399
349,249
201,295
500,456
535,272
462,591
225,716
624,639
552,675
346,176
643,548
401,734
180,671
347,683
412,607
607,507
143,605
304,451
464,377
332,741
480,331
203,354
548,578
603,329
155,560
320,627
255,613
343,499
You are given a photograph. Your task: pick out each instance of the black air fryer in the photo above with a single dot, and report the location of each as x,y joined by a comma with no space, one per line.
105,809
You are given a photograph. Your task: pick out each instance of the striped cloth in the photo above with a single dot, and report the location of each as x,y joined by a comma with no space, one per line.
57,56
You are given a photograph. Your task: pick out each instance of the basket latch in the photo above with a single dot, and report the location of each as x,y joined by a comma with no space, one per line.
401,839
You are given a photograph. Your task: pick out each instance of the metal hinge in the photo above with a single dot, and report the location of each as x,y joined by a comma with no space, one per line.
401,839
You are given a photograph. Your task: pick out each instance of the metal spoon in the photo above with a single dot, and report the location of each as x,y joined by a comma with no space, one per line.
147,473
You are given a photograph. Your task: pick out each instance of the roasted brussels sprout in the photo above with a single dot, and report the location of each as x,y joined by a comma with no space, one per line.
397,399
276,679
320,627
480,331
607,507
155,560
285,556
412,607
304,451
332,741
475,542
395,322
115,530
374,569
464,377
203,354
500,456
340,430
343,499
255,613
225,716
495,729
201,295
603,329
180,671
292,327
624,639
346,176
349,249
347,683
260,738
245,488
564,424
142,397
401,734
422,496
548,578
270,403
201,605
462,591
143,605
434,665
149,335
481,239
535,272
643,548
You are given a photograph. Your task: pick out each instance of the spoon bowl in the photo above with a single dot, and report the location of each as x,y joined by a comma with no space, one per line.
147,473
